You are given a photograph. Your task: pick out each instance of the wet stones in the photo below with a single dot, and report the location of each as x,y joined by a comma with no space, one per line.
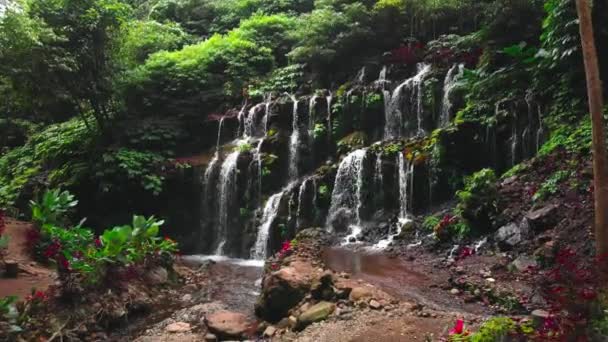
227,324
316,313
284,289
511,235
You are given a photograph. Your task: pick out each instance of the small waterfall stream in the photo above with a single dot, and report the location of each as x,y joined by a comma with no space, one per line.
294,142
227,195
271,211
347,193
394,111
449,84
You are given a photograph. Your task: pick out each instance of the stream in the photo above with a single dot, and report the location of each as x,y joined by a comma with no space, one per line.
415,281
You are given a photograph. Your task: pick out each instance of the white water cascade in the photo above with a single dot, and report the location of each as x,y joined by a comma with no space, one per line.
405,176
271,211
294,142
329,99
227,195
540,133
394,111
381,81
250,121
449,84
347,193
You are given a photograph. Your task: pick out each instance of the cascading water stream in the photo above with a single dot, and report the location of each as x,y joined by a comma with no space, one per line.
227,195
405,176
393,104
514,140
329,99
250,121
347,193
301,194
540,133
449,84
311,113
294,142
271,211
241,118
381,81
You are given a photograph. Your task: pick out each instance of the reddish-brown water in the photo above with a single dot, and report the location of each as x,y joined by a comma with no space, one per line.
406,280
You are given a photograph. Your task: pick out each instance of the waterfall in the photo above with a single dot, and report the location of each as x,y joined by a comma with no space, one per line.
301,194
361,75
329,118
227,195
258,161
250,120
271,211
241,118
294,142
311,113
382,76
347,193
219,133
406,177
378,177
514,140
267,113
540,133
448,85
393,104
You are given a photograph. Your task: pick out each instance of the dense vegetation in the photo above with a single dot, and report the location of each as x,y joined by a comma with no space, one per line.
104,98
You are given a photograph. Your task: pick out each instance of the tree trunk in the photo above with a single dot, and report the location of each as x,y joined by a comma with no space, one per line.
594,93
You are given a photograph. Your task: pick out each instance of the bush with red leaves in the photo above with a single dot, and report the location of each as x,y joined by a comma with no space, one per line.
570,288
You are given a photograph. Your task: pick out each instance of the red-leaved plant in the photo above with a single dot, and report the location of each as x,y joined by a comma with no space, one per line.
570,290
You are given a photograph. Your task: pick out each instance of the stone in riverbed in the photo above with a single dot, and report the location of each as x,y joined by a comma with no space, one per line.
375,305
210,338
270,331
227,324
178,327
284,289
359,293
317,313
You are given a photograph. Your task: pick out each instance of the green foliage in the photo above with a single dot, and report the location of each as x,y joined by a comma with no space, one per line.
269,31
65,146
515,170
330,33
551,185
574,138
59,53
430,222
143,38
352,142
495,329
220,66
281,80
53,206
477,202
319,131
131,167
75,249
323,191
244,147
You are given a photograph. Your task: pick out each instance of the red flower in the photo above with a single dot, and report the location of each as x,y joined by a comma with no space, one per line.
587,294
52,250
98,243
274,266
63,263
458,328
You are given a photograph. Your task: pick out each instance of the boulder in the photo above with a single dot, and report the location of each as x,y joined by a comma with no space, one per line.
227,324
543,218
359,293
284,289
523,263
157,276
512,234
316,313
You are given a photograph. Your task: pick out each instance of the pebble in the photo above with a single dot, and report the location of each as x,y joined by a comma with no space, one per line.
210,338
178,327
374,304
455,291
